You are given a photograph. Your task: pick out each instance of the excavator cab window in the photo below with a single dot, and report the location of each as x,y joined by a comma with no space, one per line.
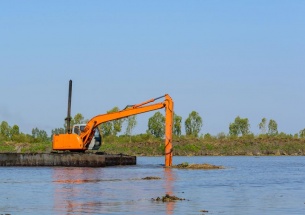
77,129
82,128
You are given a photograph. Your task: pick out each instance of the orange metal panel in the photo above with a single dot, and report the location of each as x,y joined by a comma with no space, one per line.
67,142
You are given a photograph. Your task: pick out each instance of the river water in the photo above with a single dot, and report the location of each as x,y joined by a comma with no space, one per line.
247,185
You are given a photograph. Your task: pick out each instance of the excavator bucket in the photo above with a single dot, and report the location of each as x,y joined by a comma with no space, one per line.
67,142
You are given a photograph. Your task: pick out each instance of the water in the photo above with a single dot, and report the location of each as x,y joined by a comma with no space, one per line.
248,185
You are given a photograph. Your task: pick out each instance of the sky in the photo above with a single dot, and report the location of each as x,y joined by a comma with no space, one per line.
222,59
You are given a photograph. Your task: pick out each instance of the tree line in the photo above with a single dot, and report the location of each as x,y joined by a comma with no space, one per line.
241,127
155,127
12,133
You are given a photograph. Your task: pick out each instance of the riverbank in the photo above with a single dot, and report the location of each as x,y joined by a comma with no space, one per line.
257,146
183,146
212,147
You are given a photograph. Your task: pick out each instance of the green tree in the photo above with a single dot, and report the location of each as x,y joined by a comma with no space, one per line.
234,129
106,129
131,123
58,131
113,127
5,130
35,132
39,135
42,135
156,125
193,124
15,133
77,119
263,126
15,130
177,125
244,126
302,133
272,127
239,126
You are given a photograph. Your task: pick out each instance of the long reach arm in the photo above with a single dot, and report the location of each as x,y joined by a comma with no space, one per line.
80,143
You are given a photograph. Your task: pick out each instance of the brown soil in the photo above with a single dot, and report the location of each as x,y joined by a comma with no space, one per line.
196,166
151,178
167,198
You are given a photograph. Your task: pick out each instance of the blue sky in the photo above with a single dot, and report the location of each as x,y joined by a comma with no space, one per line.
220,58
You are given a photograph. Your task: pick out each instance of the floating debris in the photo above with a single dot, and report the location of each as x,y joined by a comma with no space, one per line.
204,211
167,198
186,165
151,178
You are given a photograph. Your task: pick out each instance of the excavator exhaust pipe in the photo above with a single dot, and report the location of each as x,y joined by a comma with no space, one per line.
68,119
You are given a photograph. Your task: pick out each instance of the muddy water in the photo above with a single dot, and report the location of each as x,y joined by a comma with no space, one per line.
248,185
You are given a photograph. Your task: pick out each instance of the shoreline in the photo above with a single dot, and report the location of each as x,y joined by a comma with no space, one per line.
271,146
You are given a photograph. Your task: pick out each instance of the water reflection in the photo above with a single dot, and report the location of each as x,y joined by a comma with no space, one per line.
95,191
169,179
73,189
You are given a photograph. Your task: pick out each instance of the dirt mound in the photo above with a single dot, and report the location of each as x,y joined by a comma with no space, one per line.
186,165
167,198
151,178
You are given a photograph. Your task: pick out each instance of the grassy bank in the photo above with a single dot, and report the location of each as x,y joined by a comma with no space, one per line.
38,147
145,145
186,146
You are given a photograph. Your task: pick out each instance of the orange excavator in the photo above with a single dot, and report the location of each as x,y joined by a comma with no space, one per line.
80,142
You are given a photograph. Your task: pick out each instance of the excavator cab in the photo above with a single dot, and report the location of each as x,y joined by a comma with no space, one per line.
78,128
96,141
